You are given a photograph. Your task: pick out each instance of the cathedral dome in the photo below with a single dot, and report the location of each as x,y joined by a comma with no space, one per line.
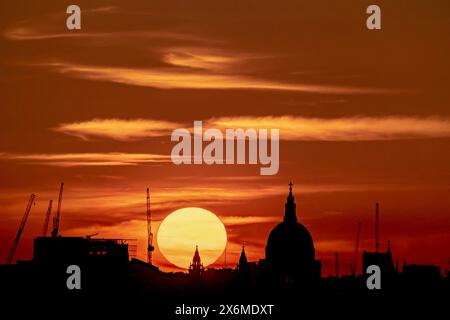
290,242
290,248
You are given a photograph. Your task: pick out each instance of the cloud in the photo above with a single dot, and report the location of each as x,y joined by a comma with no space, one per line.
244,220
124,200
26,33
89,159
208,58
292,128
202,66
192,58
169,78
118,129
342,129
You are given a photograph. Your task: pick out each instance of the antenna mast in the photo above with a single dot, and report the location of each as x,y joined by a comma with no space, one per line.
150,247
377,226
358,230
336,261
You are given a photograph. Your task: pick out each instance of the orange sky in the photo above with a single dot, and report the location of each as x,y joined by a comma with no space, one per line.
363,115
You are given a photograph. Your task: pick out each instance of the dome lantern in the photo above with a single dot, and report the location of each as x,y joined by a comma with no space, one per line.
290,214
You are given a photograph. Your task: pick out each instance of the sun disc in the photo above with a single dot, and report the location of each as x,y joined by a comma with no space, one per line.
184,229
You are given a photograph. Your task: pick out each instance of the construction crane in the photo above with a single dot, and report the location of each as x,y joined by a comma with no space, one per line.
12,251
47,219
55,230
91,235
150,247
355,262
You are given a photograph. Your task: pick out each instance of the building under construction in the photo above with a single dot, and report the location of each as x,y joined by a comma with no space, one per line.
80,250
58,250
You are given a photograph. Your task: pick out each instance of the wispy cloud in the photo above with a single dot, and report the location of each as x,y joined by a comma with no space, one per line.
118,129
292,128
243,220
208,58
169,78
124,200
343,129
192,61
89,159
23,32
199,59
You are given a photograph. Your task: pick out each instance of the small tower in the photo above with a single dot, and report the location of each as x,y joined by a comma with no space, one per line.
243,263
196,267
290,215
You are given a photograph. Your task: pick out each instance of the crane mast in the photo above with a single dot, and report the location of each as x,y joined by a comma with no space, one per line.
150,247
47,219
12,251
55,230
356,249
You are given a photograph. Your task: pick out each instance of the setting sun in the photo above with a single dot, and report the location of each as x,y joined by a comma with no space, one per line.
184,229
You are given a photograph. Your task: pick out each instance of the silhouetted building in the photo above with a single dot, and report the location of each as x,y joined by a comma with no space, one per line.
243,263
290,253
80,250
422,275
381,259
389,272
196,267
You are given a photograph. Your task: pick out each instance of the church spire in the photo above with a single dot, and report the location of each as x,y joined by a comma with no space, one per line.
242,260
290,214
196,259
196,267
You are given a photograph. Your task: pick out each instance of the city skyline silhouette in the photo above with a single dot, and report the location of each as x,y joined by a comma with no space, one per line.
316,148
